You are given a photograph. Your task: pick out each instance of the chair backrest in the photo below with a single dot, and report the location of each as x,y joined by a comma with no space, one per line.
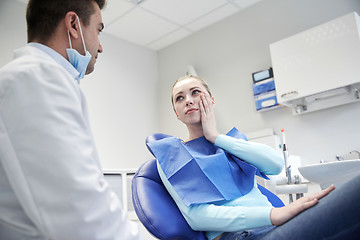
156,209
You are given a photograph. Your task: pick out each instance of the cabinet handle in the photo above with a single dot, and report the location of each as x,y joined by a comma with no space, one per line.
289,94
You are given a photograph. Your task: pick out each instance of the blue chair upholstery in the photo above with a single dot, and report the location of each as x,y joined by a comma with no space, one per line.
156,209
273,199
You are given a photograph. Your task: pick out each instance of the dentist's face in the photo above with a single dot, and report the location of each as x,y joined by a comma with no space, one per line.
186,99
91,37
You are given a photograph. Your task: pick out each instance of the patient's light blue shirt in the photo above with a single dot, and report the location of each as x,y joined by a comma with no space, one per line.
246,212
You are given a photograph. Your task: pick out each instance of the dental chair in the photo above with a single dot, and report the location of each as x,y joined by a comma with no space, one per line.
156,209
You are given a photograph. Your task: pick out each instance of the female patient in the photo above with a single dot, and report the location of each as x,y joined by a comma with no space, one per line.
211,178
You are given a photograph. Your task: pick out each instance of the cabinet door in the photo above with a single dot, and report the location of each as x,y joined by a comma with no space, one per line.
323,58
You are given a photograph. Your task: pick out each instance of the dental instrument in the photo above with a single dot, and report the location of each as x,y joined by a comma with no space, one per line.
287,165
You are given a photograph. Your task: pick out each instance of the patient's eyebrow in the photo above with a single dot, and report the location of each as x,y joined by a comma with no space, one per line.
194,88
178,93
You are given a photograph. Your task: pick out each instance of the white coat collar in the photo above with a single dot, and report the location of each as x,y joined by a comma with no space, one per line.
53,55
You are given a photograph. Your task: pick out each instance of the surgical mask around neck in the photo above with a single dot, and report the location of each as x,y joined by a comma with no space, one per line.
80,62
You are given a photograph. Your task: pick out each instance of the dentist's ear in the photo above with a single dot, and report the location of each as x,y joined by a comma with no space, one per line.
213,100
71,24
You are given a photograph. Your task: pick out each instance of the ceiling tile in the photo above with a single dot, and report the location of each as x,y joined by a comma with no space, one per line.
245,3
114,9
213,17
181,11
23,1
158,23
169,39
140,27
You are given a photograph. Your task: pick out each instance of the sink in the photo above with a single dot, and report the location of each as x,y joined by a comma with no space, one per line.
328,173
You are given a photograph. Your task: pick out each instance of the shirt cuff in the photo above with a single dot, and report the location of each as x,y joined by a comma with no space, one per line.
258,216
224,141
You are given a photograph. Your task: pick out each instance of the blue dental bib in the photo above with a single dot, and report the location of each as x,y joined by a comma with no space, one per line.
201,172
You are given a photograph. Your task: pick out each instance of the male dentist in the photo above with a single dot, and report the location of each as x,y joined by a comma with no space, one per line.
51,182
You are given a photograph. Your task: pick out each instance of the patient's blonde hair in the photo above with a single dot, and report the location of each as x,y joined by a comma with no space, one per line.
187,77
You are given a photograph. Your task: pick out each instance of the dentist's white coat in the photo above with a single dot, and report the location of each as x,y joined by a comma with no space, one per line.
51,183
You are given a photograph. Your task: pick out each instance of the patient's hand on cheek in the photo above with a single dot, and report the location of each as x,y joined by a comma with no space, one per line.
208,121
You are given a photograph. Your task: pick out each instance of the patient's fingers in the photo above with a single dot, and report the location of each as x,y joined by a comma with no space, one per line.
205,100
281,215
324,192
208,118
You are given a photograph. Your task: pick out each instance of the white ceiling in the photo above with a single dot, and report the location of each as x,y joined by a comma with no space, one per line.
155,24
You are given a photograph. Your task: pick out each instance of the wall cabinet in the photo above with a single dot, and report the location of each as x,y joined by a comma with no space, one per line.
319,68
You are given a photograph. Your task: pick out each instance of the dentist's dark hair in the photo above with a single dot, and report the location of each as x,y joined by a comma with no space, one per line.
43,16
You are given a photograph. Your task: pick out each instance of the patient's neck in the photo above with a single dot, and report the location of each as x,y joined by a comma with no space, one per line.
195,131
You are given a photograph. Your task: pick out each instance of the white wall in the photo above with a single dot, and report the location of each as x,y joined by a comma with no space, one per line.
121,92
12,27
121,97
225,55
126,101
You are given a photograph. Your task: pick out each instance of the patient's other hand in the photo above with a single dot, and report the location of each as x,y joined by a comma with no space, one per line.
279,216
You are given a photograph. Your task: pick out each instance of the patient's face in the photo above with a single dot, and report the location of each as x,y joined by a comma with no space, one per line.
186,98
